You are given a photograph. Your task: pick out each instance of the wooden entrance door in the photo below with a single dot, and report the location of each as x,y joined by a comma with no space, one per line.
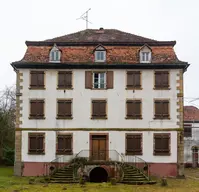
99,147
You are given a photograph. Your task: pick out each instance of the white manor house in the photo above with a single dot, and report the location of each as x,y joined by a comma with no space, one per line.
102,94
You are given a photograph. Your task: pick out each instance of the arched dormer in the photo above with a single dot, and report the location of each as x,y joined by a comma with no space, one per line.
55,54
100,53
145,54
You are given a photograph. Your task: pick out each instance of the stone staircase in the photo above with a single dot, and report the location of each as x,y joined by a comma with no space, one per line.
63,175
133,175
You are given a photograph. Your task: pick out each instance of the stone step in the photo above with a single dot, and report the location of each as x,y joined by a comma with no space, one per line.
135,179
63,173
62,177
133,176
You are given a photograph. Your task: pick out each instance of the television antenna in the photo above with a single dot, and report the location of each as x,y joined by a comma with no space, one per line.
84,17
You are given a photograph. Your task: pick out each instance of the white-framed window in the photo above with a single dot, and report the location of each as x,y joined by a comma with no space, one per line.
100,56
55,54
99,80
145,55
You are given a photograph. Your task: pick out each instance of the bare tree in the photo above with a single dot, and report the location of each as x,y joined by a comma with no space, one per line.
7,118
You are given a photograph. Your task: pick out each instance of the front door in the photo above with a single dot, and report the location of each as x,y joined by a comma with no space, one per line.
99,147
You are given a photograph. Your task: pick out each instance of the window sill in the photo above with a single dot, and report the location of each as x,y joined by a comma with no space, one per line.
163,88
157,118
69,118
164,154
37,88
133,88
63,153
66,88
132,154
135,118
99,88
40,118
36,153
99,118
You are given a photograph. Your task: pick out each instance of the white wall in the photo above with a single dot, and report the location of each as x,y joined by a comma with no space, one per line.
116,142
82,102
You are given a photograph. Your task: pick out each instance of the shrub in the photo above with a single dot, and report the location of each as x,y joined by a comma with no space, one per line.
8,156
79,160
82,181
164,182
113,181
31,181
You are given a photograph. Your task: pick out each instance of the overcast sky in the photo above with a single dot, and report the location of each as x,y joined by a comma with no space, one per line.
178,20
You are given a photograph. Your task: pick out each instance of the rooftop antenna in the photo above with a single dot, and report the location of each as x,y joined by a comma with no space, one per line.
84,17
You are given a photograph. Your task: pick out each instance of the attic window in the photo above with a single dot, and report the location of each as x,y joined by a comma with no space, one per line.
55,54
100,54
145,54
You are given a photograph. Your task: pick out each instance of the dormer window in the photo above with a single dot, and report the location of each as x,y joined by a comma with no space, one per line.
145,54
100,54
55,54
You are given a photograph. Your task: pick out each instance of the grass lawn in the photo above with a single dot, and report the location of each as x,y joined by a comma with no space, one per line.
9,183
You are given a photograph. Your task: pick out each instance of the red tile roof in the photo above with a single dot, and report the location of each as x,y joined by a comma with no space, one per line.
191,113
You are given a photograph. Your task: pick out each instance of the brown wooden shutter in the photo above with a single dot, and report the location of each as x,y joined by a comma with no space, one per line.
102,108
36,143
32,144
64,144
137,83
134,144
134,109
165,109
129,79
158,81
95,108
68,80
88,80
110,80
64,108
162,144
33,81
158,109
61,80
165,79
40,79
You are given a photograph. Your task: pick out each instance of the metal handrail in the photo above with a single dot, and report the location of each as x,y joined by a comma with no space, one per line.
107,155
138,163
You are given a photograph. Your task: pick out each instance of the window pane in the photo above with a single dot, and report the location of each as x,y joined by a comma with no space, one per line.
102,80
57,56
98,55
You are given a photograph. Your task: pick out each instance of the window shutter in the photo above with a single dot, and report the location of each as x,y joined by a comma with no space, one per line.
165,79
129,108
129,79
137,80
88,80
110,80
33,80
40,79
162,144
137,109
32,144
158,109
102,108
157,79
36,143
64,144
61,80
134,144
95,108
40,108
64,108
68,80
33,108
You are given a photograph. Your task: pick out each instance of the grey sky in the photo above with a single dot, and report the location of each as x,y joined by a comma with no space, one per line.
23,20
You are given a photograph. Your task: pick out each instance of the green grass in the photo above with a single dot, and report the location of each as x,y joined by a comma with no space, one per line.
9,183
